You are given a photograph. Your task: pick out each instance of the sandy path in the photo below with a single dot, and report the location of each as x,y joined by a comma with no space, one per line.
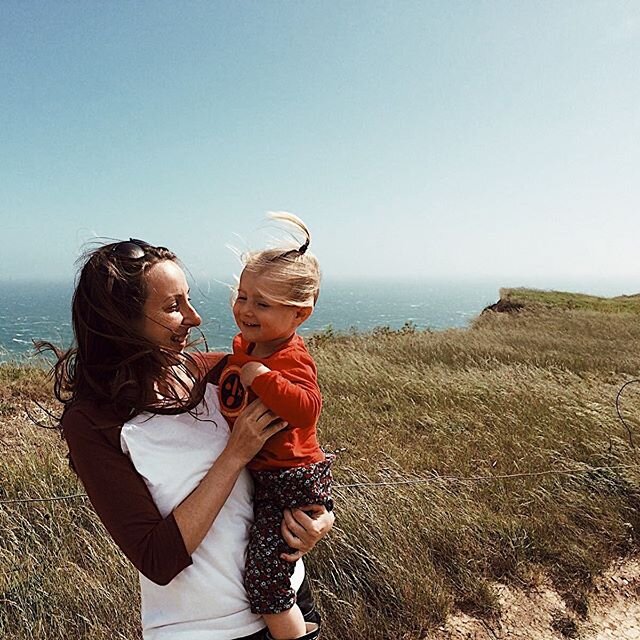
540,614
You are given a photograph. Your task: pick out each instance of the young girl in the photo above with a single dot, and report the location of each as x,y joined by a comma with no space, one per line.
277,291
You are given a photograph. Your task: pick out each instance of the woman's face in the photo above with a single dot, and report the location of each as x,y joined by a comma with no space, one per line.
167,312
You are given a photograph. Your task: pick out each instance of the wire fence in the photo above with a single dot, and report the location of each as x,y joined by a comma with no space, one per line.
402,481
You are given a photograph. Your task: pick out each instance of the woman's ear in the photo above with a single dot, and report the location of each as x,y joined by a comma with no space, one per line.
302,313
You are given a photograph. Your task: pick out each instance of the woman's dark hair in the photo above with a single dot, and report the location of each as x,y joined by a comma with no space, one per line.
111,363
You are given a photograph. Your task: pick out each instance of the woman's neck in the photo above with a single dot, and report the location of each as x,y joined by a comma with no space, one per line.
175,386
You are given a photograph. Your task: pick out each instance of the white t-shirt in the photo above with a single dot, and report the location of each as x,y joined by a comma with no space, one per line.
207,600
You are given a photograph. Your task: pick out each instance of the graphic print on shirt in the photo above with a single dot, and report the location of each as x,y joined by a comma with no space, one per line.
233,396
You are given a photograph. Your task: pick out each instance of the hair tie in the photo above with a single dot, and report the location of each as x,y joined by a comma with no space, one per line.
304,247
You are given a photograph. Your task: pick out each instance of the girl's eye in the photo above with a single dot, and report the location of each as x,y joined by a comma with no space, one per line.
264,305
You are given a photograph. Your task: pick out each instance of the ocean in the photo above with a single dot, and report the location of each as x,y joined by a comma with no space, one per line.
41,310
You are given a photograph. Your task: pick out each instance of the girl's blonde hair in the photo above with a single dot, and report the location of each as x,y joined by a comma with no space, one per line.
288,275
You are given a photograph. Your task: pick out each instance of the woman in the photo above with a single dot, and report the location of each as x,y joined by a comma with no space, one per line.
155,455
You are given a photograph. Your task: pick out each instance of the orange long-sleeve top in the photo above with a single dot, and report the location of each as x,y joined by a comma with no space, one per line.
290,390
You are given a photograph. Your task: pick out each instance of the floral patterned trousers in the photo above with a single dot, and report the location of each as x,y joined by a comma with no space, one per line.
267,577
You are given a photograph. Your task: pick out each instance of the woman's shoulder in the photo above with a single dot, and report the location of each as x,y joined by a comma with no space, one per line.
92,434
83,414
207,360
210,364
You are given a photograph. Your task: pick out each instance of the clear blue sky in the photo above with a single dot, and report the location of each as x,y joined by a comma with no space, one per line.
415,138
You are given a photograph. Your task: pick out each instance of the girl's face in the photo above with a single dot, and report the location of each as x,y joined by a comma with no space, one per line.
261,320
167,312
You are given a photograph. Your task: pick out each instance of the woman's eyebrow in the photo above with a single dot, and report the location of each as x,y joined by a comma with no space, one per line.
175,296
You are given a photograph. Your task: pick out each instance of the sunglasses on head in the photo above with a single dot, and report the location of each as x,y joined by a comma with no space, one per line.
133,249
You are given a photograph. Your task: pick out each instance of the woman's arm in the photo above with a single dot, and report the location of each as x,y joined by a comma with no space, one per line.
196,513
158,547
121,498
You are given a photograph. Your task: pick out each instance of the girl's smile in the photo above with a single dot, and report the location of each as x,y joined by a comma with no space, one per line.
261,319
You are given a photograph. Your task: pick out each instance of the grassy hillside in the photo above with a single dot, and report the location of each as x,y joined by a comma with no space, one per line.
533,298
464,457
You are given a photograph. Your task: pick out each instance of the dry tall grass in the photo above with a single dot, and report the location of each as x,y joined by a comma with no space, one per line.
515,394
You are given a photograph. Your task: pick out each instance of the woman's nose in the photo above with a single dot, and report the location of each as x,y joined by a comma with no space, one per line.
192,317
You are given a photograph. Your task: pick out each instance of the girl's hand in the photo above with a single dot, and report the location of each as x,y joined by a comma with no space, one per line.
251,371
252,428
303,532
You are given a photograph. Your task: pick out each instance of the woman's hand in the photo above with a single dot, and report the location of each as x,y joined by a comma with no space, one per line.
302,531
252,428
197,512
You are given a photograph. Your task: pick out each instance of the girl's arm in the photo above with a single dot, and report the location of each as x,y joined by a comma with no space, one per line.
291,392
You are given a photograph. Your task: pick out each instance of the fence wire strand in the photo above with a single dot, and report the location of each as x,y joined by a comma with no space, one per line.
404,481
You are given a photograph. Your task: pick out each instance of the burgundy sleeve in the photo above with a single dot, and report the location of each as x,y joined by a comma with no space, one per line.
207,360
292,394
122,501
